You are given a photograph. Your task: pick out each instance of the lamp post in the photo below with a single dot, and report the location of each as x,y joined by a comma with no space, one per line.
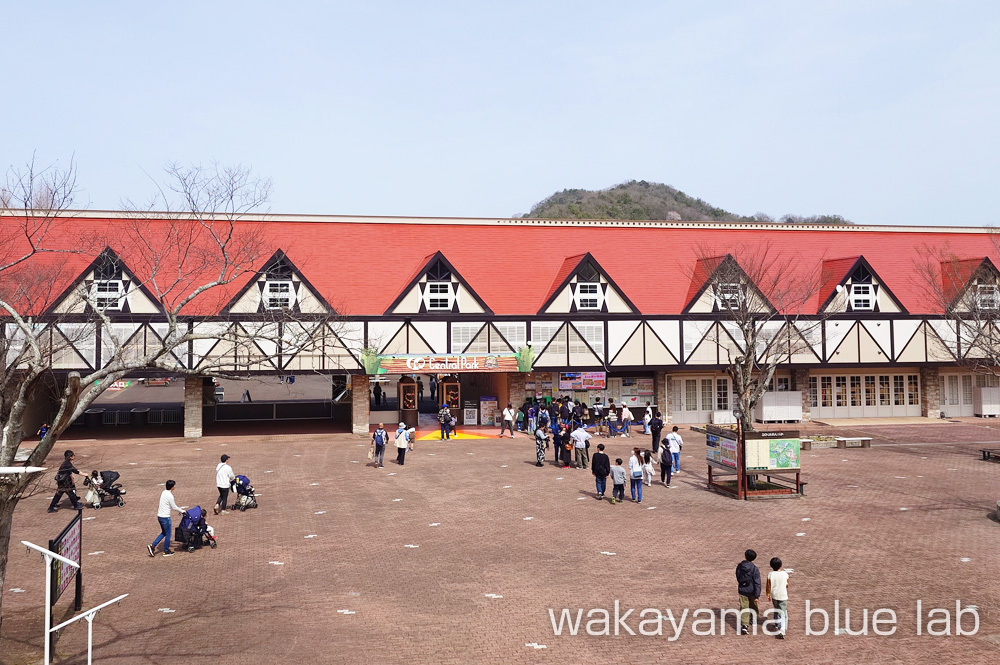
740,456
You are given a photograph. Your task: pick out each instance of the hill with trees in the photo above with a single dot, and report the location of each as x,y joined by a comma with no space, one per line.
641,200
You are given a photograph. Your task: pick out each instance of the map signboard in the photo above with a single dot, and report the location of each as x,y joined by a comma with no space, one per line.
772,451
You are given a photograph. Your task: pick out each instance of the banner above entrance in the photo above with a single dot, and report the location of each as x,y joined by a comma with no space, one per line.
447,364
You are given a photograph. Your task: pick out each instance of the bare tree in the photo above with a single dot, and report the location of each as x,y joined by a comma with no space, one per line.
192,260
762,298
965,289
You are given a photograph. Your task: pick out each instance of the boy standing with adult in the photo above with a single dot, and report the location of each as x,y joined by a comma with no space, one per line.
777,593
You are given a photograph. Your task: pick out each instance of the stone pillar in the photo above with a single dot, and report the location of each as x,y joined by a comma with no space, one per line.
930,392
193,400
800,382
515,389
360,404
661,392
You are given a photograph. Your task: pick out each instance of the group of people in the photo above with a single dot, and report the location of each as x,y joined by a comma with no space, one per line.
380,438
572,448
607,419
776,590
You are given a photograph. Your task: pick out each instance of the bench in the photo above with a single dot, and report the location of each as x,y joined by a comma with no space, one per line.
854,441
158,382
990,453
806,444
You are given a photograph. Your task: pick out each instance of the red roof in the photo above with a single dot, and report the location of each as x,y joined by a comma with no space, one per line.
361,266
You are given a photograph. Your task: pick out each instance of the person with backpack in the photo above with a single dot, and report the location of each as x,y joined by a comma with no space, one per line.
444,417
676,444
748,587
65,484
402,443
655,429
665,464
379,439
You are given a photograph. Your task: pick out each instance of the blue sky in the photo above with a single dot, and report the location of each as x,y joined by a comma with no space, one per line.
884,111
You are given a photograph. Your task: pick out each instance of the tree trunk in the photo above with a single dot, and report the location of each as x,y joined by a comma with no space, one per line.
8,493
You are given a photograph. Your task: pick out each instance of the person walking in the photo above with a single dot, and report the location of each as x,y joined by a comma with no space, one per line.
656,429
618,477
42,431
676,443
646,418
665,463
379,438
420,389
224,478
777,593
567,447
163,512
532,417
647,468
508,420
748,587
65,484
541,440
444,417
626,420
433,384
600,466
580,438
377,392
635,475
402,443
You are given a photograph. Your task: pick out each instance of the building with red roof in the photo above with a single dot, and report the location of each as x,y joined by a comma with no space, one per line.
617,310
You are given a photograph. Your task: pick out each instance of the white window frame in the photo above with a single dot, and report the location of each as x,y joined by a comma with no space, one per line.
439,296
857,297
728,295
278,290
108,294
987,297
588,296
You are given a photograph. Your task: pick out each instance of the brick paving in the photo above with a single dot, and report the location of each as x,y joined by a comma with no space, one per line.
463,505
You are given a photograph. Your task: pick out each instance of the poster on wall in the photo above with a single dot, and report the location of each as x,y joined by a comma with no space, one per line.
582,380
470,416
629,387
720,449
487,410
644,386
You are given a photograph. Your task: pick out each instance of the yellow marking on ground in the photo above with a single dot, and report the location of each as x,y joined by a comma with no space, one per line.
436,436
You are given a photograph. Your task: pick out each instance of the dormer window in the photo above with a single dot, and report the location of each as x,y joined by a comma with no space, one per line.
728,295
439,296
108,294
588,295
862,297
988,297
278,294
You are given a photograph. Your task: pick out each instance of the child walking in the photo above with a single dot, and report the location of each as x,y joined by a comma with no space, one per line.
647,468
618,482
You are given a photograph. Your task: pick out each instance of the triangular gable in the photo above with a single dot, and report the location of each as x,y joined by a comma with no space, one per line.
584,268
834,291
137,299
412,300
643,347
959,278
305,298
710,271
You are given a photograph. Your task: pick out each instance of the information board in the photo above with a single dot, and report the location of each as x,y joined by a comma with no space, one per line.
582,380
720,449
67,544
487,410
773,454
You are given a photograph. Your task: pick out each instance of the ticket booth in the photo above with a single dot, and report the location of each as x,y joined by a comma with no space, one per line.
406,389
450,393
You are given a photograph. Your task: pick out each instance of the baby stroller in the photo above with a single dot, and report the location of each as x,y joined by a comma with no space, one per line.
193,531
245,498
103,487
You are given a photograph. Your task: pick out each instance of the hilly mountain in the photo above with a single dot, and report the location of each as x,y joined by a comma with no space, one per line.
641,200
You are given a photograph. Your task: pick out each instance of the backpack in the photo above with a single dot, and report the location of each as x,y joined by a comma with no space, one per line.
380,436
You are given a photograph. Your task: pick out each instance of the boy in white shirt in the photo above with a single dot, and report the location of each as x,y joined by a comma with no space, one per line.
777,593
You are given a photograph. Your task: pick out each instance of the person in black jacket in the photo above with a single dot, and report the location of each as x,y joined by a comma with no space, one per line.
64,483
655,429
600,466
748,579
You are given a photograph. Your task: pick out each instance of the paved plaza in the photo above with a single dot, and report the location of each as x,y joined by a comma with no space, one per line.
457,556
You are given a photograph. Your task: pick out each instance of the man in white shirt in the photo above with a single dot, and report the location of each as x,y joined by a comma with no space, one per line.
580,437
224,478
508,420
167,504
777,593
674,442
